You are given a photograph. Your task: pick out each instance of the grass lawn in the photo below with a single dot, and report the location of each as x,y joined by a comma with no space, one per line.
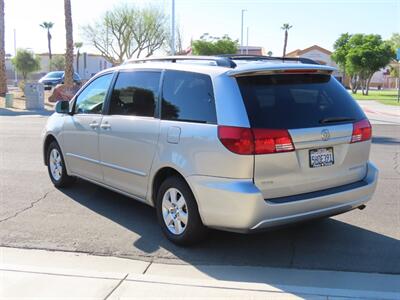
384,96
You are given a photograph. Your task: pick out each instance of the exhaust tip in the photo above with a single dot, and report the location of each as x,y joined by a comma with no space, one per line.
361,207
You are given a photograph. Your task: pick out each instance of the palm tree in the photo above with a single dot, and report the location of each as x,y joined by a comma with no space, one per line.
3,75
285,27
78,46
48,26
69,54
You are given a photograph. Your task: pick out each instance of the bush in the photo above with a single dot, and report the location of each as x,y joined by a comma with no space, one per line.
21,85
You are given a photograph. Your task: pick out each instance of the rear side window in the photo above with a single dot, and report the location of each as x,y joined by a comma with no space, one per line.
290,101
135,93
188,97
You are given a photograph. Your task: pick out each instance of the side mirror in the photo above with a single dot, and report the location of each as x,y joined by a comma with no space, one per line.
62,107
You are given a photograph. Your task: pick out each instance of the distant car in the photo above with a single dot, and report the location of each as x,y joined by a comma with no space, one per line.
51,79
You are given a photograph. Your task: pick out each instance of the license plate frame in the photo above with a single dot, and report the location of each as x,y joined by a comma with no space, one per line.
327,154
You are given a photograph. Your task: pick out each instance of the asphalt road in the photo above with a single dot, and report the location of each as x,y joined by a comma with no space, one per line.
87,218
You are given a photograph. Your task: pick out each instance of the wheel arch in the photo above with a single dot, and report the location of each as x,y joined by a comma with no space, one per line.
48,140
159,177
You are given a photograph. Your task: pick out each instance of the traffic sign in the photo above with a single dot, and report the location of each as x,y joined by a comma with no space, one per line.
398,53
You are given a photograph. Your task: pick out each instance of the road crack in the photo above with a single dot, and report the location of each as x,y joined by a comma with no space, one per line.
396,162
31,205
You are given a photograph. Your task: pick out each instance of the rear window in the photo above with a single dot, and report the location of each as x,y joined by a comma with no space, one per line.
188,97
290,101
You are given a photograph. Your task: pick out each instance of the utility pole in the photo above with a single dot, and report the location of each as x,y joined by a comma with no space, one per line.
247,42
173,28
241,32
15,54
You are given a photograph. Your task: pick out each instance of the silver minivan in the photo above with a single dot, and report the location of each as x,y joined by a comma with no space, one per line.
238,143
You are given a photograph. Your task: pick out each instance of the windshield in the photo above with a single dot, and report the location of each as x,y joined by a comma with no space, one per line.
297,101
54,75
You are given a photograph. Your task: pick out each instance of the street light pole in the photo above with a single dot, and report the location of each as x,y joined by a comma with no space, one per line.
247,42
173,28
241,32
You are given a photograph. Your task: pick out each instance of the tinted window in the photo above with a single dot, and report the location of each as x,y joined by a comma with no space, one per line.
135,93
296,101
91,99
54,75
188,97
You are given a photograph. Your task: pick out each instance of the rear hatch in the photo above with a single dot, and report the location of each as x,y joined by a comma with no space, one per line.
310,133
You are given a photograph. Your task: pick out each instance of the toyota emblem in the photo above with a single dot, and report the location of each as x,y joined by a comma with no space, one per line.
325,135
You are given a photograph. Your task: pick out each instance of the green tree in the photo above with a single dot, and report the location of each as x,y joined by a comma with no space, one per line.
127,31
360,56
395,40
78,46
26,62
270,53
207,45
48,26
286,27
69,53
339,56
58,63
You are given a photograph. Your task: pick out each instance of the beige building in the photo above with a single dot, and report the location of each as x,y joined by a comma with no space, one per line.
380,79
319,54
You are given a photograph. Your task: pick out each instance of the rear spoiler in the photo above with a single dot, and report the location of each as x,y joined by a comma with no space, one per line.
280,69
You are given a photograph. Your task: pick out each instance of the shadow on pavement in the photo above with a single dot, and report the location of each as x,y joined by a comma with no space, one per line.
326,244
385,140
14,112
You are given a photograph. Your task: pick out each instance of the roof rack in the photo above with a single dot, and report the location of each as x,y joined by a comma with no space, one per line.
219,60
263,57
223,60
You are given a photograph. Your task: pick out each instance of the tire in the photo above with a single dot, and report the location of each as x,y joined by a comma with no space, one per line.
56,166
185,226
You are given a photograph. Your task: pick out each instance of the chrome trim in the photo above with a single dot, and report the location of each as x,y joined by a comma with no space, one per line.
83,158
123,169
119,168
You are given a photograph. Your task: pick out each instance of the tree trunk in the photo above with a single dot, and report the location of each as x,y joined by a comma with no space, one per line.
285,43
69,54
77,61
368,81
3,75
49,42
354,84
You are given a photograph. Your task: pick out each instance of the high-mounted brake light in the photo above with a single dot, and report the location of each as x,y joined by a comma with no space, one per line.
243,141
299,71
362,131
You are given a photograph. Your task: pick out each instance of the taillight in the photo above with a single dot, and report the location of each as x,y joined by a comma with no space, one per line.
236,139
255,141
272,141
362,131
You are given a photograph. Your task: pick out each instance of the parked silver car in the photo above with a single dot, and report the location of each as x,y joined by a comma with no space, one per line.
236,143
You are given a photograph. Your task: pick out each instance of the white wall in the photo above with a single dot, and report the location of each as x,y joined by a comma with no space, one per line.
94,64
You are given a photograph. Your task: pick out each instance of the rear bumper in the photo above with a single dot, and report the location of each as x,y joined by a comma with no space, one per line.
238,205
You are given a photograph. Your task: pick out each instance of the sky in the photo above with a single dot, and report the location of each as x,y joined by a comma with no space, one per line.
314,22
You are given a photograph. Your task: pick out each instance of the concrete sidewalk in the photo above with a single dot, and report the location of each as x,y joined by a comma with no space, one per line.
379,113
53,274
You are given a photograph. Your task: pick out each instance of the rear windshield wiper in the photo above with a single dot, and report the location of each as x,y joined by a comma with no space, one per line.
336,120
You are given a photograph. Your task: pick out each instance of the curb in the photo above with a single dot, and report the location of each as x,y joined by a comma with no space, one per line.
121,277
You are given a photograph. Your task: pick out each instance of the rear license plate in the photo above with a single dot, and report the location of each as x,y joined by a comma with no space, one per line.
321,157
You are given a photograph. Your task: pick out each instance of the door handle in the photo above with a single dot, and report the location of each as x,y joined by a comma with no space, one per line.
105,126
94,124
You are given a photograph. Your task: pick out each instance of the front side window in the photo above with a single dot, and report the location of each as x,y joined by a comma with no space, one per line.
91,99
188,97
135,93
